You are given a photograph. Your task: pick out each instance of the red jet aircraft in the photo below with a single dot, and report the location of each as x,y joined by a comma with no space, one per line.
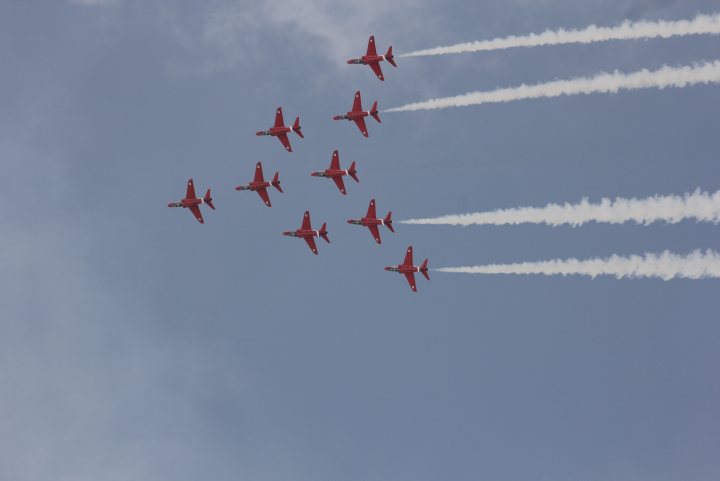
372,222
193,203
409,269
280,130
336,173
373,59
306,232
260,186
358,115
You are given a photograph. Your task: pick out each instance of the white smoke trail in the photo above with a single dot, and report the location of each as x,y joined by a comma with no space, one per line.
701,206
701,24
706,73
665,266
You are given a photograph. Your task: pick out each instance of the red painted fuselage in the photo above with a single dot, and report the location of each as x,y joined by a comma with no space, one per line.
186,203
254,186
274,131
403,269
366,221
353,115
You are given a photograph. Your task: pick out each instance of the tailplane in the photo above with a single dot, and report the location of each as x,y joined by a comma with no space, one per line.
374,112
388,221
390,57
353,173
323,233
276,181
208,200
424,269
296,128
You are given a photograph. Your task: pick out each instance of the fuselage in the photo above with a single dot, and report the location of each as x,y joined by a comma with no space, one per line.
330,173
253,186
352,115
185,203
302,233
366,59
403,269
366,221
274,131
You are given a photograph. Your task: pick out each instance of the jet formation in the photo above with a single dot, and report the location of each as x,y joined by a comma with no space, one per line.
334,172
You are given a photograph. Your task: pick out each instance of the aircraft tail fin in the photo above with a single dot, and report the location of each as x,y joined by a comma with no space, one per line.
208,200
374,112
353,172
276,181
323,232
390,57
388,221
296,128
424,269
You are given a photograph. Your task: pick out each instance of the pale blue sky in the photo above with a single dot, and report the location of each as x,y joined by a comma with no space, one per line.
136,344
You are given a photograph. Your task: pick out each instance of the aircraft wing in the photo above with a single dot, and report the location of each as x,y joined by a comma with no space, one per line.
371,51
190,194
262,192
196,212
340,184
306,221
411,280
335,162
311,244
360,122
279,122
371,210
408,257
258,173
283,138
375,66
375,233
357,103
